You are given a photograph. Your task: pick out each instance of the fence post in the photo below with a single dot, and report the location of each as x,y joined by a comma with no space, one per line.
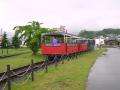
56,61
46,64
61,58
32,66
2,51
7,50
76,55
8,77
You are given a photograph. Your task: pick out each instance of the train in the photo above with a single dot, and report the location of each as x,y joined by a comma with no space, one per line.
66,44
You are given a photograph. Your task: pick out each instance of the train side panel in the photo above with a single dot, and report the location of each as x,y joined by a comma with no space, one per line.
72,48
53,50
82,47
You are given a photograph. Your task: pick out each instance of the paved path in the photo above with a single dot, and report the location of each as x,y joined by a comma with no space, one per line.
105,74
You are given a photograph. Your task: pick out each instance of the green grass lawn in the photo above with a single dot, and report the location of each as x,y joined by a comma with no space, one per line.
19,60
13,51
72,75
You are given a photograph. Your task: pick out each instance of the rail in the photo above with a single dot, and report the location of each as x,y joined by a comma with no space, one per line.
7,78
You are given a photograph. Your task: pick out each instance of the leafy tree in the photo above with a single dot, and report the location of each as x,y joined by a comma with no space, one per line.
16,41
32,34
87,34
5,41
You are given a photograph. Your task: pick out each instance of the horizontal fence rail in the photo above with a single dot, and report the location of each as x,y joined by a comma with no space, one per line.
8,78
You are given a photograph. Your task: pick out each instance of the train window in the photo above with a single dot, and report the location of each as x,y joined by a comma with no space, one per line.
71,41
46,40
52,40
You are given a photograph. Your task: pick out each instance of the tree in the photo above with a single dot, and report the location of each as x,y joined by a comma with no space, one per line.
87,34
16,41
5,41
104,32
32,34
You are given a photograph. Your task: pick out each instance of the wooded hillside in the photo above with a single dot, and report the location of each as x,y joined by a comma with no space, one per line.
104,32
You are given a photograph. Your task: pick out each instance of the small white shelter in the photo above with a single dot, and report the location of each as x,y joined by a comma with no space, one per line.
99,41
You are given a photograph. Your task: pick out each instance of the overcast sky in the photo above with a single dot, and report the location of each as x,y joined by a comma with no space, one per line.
74,14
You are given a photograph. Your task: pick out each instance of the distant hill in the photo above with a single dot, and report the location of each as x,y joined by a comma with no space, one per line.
104,32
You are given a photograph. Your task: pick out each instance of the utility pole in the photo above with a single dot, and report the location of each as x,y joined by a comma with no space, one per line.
1,31
1,37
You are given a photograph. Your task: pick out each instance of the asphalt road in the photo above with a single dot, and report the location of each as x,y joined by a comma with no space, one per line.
105,74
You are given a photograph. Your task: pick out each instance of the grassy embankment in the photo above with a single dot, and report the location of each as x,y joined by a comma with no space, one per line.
10,52
72,75
18,60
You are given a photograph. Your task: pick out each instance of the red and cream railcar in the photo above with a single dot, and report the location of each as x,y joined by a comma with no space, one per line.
82,45
66,45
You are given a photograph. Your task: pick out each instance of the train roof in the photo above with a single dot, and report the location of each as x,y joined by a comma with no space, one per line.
60,34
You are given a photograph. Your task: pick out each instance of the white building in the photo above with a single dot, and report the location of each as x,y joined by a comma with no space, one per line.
99,41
